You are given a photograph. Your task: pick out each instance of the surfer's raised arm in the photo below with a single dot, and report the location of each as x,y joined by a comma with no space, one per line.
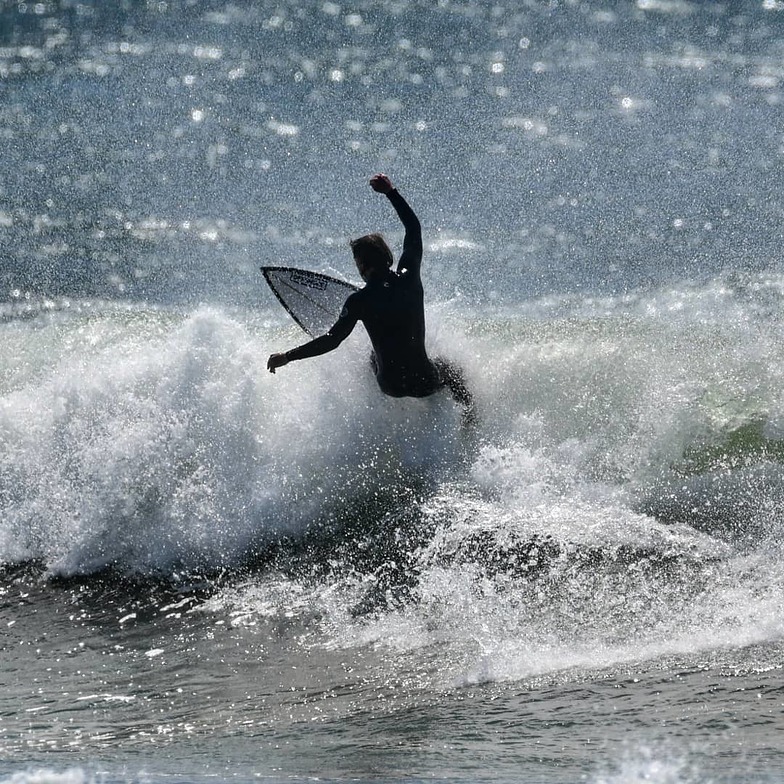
411,258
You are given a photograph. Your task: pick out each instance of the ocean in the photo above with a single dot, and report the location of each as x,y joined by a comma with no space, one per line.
212,573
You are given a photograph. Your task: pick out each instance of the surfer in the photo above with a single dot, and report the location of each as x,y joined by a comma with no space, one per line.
391,306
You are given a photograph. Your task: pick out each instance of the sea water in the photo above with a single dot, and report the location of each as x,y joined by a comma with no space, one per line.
208,572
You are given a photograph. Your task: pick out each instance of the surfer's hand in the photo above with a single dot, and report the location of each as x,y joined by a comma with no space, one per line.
381,183
275,361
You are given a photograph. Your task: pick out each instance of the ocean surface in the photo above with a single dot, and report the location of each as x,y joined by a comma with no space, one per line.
211,573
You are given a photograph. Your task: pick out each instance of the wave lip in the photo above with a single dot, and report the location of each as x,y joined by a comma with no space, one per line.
156,441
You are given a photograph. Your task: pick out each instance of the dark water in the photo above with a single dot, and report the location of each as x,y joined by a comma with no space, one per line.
208,572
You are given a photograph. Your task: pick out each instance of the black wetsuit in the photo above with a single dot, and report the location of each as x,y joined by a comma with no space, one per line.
391,306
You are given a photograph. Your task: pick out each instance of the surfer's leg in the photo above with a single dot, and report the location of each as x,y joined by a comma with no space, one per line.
453,378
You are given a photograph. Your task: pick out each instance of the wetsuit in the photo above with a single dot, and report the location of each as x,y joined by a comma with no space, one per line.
391,306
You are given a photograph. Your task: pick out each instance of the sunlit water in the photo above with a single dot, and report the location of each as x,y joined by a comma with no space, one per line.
209,572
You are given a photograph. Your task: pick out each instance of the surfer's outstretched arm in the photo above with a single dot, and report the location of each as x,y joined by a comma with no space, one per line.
411,258
320,345
315,347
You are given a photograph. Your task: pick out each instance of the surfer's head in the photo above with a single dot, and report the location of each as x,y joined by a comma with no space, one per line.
372,255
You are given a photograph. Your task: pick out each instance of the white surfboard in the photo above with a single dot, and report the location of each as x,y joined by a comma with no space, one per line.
312,299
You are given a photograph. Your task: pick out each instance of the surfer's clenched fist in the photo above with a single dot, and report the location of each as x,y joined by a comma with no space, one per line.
275,361
381,183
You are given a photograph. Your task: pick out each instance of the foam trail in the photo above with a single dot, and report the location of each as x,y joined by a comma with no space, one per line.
49,776
653,765
548,556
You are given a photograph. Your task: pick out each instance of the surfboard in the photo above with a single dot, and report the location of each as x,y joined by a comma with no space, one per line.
314,300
